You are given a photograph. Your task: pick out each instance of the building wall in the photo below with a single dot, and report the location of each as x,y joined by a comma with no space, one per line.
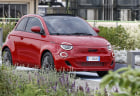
32,5
126,10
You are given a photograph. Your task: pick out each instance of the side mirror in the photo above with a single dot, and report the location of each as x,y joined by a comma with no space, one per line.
96,29
36,29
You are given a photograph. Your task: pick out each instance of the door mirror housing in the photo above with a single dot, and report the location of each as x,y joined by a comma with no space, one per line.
96,29
36,29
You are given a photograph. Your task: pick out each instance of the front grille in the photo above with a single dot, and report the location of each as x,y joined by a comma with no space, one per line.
92,50
91,63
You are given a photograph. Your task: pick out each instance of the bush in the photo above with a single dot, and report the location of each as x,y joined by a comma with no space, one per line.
126,79
7,27
45,83
7,82
118,37
39,83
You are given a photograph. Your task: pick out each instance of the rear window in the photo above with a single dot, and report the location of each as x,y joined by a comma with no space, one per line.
68,25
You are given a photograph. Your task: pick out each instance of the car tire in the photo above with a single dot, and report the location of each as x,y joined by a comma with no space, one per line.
102,73
6,57
47,61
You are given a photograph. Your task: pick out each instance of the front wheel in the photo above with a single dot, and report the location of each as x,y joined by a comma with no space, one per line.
6,57
47,61
102,73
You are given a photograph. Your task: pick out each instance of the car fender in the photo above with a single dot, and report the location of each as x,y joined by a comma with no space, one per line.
50,47
9,44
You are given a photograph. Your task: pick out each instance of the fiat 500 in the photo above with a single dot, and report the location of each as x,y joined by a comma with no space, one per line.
58,42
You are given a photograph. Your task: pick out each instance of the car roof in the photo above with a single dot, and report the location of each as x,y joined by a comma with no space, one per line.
37,15
58,15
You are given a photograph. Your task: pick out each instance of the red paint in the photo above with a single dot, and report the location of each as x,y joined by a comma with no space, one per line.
27,49
96,29
36,29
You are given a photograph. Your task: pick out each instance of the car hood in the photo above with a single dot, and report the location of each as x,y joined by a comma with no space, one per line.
81,40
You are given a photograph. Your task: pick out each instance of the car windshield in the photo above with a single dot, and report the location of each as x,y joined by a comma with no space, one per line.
68,25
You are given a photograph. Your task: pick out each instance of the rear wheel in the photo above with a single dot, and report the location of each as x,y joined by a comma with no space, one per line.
6,57
102,73
47,61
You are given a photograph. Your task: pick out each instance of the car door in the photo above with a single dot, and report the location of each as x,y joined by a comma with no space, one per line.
17,38
31,41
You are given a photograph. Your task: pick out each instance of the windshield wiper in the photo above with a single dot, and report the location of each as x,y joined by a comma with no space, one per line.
86,34
81,34
56,34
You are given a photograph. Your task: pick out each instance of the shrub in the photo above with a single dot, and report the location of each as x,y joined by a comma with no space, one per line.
43,83
118,37
7,82
126,79
39,83
7,27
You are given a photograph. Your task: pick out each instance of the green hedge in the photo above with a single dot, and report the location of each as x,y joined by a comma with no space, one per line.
118,37
7,27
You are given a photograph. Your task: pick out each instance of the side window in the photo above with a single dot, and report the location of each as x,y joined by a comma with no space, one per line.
33,22
21,25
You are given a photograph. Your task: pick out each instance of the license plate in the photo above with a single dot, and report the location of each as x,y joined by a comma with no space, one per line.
93,58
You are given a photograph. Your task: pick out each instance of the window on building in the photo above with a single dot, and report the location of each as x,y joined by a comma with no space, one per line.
13,10
42,10
1,10
86,2
83,13
92,14
128,3
125,14
89,14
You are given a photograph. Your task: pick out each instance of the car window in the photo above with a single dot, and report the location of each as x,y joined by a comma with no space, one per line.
21,25
68,25
33,22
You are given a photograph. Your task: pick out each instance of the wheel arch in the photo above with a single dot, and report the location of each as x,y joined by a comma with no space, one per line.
43,54
4,48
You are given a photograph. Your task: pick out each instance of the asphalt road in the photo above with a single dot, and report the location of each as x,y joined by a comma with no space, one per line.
93,75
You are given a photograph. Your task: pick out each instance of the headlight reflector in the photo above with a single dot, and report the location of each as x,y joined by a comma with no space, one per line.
109,47
66,47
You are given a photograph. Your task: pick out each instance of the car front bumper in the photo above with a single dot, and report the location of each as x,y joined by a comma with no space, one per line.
79,63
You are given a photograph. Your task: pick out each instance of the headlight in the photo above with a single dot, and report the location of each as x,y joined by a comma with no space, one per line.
66,46
109,47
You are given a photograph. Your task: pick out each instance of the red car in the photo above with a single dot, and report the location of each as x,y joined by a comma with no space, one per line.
62,42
